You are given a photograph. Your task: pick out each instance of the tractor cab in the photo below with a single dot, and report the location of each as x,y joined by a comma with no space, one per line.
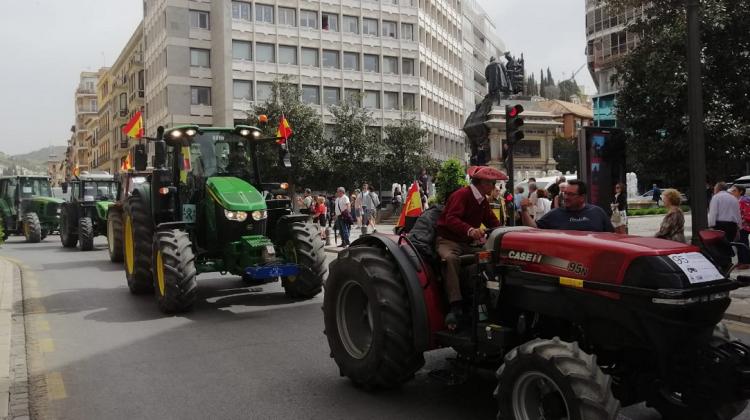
28,206
84,216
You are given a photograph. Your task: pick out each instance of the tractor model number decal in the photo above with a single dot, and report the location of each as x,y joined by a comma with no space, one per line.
525,256
577,268
188,213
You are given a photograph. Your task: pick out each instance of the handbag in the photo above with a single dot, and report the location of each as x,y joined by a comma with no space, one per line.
346,216
616,216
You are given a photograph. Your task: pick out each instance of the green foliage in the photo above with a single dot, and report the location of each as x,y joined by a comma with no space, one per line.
651,211
2,233
565,152
405,151
451,177
568,88
652,103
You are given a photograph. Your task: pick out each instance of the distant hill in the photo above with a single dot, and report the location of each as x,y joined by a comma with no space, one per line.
35,161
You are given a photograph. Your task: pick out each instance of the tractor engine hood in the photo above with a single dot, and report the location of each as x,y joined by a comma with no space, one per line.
102,207
235,194
43,200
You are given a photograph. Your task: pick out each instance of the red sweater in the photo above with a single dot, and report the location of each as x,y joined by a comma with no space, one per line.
461,213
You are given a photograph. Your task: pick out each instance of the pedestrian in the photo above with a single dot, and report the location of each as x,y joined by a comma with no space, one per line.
673,224
724,212
656,194
554,191
619,208
423,198
424,181
543,204
497,203
308,200
574,214
397,201
371,202
319,215
343,215
532,196
517,197
357,208
743,256
356,213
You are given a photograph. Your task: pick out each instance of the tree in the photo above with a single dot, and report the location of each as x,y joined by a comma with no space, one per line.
568,88
565,152
307,128
551,92
451,177
405,151
550,80
542,83
652,103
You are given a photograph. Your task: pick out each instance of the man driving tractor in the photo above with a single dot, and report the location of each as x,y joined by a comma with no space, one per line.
466,210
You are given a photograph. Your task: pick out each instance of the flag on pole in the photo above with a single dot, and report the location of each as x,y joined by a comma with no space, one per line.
284,131
412,206
126,163
76,170
134,127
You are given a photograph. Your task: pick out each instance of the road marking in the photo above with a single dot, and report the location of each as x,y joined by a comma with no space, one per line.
41,325
55,386
46,345
737,326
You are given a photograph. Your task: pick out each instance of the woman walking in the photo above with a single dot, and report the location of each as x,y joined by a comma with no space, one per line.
397,201
620,209
673,224
319,215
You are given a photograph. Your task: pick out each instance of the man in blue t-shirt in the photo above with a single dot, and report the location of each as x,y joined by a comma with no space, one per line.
574,214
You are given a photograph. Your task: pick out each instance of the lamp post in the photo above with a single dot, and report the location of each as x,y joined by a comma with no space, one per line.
697,158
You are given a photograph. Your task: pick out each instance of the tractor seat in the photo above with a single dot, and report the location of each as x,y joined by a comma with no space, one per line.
715,245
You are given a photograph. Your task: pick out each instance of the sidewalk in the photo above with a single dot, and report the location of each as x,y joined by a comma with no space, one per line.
14,401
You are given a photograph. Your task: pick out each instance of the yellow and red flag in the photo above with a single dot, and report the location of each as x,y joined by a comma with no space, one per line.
412,206
284,131
134,127
76,170
126,165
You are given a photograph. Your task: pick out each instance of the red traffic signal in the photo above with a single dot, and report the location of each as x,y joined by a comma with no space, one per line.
513,124
515,111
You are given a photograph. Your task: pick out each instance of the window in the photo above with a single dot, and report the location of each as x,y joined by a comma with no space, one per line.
351,24
123,102
331,59
263,13
407,31
241,10
390,100
200,95
407,66
351,61
330,22
371,99
308,19
331,96
199,19
390,65
264,91
353,96
265,53
199,58
310,95
243,89
370,26
287,54
287,16
372,63
410,103
389,29
309,57
242,50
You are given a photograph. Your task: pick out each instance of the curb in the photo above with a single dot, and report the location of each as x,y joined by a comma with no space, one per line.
14,386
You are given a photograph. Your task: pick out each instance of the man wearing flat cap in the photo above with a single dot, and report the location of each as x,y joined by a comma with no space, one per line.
459,225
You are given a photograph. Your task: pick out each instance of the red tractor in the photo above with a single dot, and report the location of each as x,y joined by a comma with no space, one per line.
576,323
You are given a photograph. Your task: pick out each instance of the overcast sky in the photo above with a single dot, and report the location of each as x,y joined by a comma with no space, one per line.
47,43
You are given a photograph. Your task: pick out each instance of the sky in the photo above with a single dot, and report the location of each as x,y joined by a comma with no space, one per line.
47,43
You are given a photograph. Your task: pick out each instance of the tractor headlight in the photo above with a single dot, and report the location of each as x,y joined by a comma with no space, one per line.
59,210
237,216
259,215
88,198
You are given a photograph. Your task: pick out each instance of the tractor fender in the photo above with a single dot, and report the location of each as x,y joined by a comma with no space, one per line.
291,218
420,321
144,191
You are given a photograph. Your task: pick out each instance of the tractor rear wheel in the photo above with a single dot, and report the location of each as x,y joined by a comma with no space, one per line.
32,228
67,237
114,234
368,319
138,236
85,234
3,228
174,271
553,379
304,247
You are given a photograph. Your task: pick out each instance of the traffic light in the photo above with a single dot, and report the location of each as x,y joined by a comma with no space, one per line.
513,124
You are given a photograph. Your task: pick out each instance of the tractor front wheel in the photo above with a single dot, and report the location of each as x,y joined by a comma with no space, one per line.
553,379
138,236
32,228
304,247
174,271
85,234
368,320
67,237
114,234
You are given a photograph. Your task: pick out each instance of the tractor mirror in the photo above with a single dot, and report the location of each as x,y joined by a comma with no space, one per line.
64,187
160,154
140,157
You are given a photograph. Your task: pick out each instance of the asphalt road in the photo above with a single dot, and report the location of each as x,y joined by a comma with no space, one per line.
106,354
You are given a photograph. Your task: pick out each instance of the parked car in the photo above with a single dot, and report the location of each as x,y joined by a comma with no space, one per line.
647,198
744,181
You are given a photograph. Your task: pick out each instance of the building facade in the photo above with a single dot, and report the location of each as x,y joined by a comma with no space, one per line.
572,116
100,149
86,114
607,43
208,62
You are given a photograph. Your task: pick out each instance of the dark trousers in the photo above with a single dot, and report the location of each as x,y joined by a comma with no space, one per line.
743,256
344,229
729,229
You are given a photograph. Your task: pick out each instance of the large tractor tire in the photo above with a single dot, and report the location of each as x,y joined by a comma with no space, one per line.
114,234
138,236
368,319
3,228
67,237
85,234
304,247
174,271
553,379
671,408
32,228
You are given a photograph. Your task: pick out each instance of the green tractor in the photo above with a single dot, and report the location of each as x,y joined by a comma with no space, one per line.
84,216
205,209
128,180
27,207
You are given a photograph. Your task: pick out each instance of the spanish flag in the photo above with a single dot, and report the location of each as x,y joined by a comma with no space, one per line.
284,131
134,127
76,170
126,164
412,206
